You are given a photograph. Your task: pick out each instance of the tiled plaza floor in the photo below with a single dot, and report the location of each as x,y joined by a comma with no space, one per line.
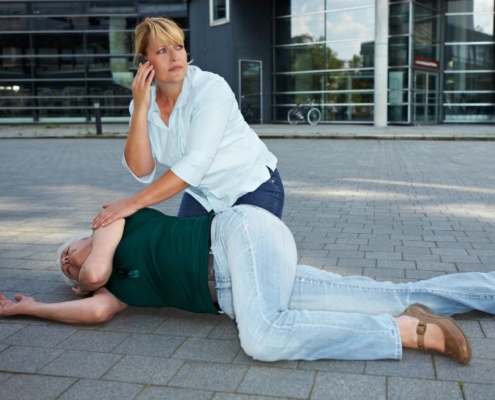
388,209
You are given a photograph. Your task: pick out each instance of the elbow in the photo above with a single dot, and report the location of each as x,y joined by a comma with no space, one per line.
101,314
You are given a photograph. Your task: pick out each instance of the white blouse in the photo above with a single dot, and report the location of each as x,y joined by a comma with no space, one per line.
207,143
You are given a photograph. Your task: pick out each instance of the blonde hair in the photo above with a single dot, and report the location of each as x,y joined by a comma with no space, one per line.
81,236
163,29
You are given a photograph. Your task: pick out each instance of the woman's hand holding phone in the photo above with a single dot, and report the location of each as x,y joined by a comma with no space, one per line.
142,83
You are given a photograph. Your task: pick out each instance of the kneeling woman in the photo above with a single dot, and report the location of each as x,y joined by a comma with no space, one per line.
282,310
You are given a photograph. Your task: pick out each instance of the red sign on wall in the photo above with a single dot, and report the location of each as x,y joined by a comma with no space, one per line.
427,63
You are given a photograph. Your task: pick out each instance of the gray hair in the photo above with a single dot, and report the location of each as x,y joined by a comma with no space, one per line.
84,235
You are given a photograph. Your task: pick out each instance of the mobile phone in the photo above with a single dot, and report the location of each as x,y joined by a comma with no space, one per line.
140,60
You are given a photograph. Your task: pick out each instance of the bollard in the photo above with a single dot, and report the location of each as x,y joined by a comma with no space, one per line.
98,118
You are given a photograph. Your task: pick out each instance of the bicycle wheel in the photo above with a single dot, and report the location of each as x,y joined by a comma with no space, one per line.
314,116
292,116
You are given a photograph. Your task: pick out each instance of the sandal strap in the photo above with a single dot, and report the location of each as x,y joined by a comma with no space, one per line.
420,330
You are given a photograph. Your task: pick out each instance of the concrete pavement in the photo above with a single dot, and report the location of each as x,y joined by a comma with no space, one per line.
398,210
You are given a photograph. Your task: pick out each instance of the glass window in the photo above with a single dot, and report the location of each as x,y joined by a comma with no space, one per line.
294,7
470,57
340,4
300,29
219,12
462,6
398,51
110,7
466,82
338,55
399,19
430,51
58,23
335,80
426,24
14,24
351,24
470,28
58,8
13,8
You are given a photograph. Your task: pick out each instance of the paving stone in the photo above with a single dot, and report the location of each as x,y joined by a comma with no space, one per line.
405,265
161,393
34,387
277,382
383,255
11,284
81,364
150,345
86,389
193,325
477,391
208,350
488,328
349,387
345,367
209,376
42,336
401,389
146,370
7,329
225,330
414,364
243,358
88,340
26,359
483,347
229,396
478,371
4,377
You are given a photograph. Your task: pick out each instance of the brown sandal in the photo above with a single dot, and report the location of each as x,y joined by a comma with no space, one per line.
457,344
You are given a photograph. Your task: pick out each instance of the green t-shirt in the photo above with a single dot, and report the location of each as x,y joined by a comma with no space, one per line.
162,261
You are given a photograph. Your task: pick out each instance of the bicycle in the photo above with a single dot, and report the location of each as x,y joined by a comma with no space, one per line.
295,114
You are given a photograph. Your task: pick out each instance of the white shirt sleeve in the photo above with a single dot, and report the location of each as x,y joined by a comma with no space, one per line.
206,131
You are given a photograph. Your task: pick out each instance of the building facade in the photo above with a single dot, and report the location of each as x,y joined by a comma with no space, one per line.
60,59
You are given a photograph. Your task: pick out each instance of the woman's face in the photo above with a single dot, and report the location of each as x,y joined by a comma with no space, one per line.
169,61
74,256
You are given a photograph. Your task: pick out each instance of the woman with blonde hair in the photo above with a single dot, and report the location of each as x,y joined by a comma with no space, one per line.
189,120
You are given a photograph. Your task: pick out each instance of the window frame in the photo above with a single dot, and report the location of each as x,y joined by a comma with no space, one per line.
219,21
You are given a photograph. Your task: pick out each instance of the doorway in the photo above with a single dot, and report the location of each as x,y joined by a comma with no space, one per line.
251,89
425,98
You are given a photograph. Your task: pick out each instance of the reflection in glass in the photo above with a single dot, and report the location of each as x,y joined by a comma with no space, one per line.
398,51
351,24
399,19
294,7
470,56
474,82
470,28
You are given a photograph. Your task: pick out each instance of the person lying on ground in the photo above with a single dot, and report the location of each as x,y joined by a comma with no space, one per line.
283,310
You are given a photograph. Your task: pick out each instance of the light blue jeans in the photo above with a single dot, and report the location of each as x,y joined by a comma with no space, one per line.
289,311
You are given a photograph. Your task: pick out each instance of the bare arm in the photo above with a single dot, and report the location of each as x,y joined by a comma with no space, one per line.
167,186
137,150
101,307
97,268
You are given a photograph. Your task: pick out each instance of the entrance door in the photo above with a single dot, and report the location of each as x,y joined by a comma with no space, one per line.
250,76
425,97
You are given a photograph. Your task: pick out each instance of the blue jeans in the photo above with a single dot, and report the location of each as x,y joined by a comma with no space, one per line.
289,311
269,196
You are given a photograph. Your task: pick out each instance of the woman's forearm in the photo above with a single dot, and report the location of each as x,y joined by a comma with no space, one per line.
92,310
137,150
167,186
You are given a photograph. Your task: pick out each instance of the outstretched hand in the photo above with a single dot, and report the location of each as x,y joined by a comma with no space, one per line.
20,306
114,211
